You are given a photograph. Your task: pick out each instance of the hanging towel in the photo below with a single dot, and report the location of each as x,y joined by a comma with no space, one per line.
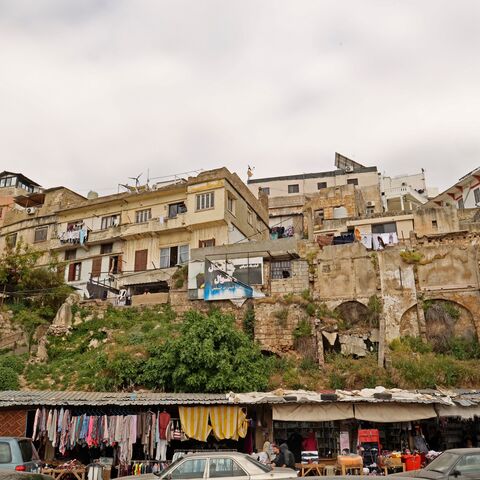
194,422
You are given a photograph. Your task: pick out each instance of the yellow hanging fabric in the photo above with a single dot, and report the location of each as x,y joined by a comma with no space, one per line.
194,422
228,422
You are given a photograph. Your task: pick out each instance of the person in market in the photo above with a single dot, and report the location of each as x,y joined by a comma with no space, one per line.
283,457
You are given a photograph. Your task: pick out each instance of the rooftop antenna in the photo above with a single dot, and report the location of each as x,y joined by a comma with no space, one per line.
137,181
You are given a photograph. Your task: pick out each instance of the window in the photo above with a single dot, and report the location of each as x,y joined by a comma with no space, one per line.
106,248
281,269
321,185
384,228
11,240
183,254
318,216
172,256
70,254
194,468
352,181
231,204
5,453
206,243
370,209
469,464
476,194
434,224
265,190
250,217
28,450
96,267
205,201
110,221
225,467
40,234
294,188
140,260
142,216
176,208
74,271
115,264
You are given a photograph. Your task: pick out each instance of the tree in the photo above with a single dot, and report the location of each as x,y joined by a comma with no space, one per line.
42,288
209,355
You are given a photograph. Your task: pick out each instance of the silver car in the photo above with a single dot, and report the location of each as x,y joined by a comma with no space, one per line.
219,465
18,453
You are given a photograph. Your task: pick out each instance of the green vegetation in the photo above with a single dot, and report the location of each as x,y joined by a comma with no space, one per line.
375,308
411,256
282,316
11,366
146,348
180,277
248,322
303,329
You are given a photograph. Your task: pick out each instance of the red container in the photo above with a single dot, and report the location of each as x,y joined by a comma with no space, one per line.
412,462
369,436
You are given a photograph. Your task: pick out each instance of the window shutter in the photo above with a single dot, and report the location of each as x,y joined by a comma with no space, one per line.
96,267
71,272
140,260
119,264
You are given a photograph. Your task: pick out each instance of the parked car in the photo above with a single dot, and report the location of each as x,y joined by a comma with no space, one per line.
13,475
18,453
459,463
218,465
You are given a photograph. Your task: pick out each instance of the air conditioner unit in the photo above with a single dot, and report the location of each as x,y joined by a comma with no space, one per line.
370,204
31,210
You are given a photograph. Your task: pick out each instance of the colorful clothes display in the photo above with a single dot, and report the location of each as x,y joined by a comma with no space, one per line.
66,430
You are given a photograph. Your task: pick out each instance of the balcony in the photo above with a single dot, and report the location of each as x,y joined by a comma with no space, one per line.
153,226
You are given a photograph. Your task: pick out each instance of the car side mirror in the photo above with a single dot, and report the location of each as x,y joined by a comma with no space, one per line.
456,473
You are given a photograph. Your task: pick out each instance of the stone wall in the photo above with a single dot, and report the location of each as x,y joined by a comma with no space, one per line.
297,283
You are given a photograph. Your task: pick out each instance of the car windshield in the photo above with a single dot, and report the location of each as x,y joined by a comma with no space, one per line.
265,468
443,463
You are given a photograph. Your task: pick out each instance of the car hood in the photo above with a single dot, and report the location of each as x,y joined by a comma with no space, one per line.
422,473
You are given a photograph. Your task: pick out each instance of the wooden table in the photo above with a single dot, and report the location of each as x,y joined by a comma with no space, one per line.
63,473
306,469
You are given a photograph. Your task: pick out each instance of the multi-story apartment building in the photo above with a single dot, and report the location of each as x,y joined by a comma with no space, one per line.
33,219
11,186
138,239
462,195
288,195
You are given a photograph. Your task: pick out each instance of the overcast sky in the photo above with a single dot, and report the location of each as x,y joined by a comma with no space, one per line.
95,91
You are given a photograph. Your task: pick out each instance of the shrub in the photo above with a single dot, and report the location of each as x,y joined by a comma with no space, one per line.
282,316
249,322
306,295
303,329
311,309
411,256
8,379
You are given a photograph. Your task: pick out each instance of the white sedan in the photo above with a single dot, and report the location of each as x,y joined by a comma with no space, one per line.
219,465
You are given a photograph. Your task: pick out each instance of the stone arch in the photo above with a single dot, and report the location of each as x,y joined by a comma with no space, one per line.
444,319
353,313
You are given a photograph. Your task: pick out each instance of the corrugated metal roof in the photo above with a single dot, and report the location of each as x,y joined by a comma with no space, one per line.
56,398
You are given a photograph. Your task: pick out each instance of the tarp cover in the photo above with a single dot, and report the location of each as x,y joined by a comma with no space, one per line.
393,412
458,411
312,413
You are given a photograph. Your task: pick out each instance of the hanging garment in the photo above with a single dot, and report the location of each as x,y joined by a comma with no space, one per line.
161,454
366,240
194,422
163,422
228,422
